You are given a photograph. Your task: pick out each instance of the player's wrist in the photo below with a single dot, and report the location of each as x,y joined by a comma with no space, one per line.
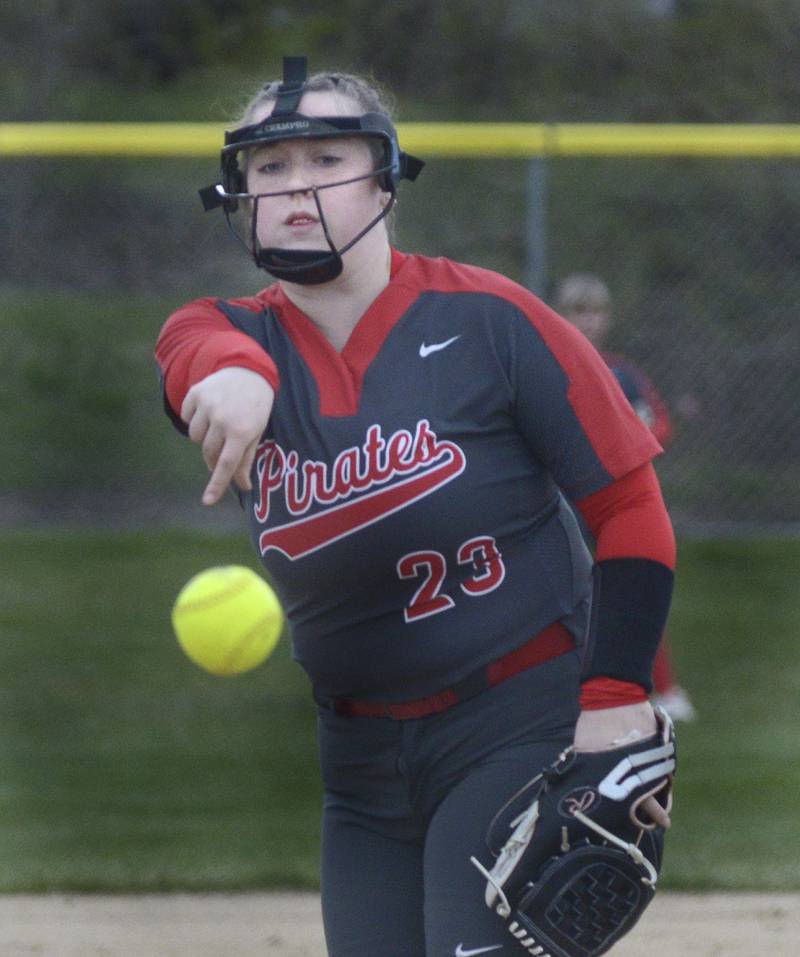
604,728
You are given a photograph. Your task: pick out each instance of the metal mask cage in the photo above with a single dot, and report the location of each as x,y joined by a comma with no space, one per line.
285,123
395,164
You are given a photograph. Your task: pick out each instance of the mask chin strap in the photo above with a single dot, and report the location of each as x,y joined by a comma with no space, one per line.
308,267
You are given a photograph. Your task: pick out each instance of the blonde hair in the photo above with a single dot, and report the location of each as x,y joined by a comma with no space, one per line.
366,93
369,96
580,291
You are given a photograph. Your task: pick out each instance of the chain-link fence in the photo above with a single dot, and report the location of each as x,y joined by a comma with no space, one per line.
703,260
702,256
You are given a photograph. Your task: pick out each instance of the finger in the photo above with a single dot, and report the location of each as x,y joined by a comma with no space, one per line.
656,812
189,406
227,463
242,476
198,426
213,443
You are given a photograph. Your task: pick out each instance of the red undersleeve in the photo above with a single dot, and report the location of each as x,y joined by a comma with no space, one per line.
597,693
196,342
629,520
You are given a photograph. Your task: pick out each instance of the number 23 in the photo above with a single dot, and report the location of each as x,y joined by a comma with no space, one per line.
480,552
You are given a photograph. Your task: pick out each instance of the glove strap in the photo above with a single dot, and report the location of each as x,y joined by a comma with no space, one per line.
503,908
630,849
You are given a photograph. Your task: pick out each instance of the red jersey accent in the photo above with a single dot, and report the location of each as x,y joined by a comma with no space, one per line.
629,519
598,693
589,393
198,340
339,375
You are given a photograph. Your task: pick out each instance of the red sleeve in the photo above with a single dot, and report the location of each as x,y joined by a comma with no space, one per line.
618,437
629,520
198,340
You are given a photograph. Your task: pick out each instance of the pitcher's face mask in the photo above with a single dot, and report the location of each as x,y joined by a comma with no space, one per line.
304,266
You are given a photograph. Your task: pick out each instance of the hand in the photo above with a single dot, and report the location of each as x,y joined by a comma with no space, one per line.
606,728
227,413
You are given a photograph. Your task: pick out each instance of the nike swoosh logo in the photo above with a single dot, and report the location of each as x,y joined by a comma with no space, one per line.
461,952
436,347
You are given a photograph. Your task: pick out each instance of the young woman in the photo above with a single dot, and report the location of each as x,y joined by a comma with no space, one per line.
406,434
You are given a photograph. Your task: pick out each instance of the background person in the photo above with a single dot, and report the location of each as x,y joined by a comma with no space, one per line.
585,300
404,432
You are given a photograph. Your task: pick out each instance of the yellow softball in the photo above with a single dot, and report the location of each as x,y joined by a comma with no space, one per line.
227,619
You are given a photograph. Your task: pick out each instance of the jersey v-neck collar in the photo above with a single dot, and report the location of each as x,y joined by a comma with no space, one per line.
339,375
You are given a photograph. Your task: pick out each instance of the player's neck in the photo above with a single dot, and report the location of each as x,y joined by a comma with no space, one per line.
336,307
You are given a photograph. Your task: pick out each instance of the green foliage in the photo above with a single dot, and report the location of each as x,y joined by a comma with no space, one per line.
81,407
523,59
126,768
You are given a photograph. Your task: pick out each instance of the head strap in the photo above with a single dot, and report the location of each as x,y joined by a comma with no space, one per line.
291,89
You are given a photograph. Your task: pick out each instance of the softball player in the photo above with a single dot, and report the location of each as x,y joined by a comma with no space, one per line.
585,301
409,437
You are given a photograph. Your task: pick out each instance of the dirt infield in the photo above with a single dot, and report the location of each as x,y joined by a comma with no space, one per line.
288,925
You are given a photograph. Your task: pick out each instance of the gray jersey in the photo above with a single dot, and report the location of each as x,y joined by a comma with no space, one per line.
409,494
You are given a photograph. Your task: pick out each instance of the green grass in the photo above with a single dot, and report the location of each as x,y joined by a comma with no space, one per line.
735,626
124,767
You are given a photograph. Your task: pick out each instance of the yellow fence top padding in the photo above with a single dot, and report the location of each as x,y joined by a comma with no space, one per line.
110,139
477,140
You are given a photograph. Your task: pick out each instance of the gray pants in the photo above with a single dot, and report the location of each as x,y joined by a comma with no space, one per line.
408,802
